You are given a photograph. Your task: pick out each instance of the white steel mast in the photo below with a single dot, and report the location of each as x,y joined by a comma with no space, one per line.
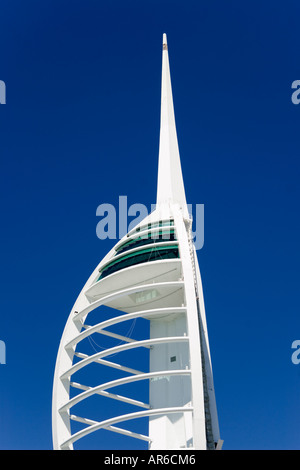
151,275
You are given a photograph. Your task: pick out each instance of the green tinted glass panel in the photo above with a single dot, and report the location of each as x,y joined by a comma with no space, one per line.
161,223
153,237
143,256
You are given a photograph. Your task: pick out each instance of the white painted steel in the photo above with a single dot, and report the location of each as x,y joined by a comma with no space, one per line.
87,360
119,419
125,432
125,380
170,187
165,293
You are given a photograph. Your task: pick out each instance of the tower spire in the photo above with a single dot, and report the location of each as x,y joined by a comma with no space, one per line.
170,187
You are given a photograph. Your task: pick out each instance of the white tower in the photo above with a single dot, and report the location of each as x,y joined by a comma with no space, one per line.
150,276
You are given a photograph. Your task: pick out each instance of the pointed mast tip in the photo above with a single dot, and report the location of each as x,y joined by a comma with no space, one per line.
165,44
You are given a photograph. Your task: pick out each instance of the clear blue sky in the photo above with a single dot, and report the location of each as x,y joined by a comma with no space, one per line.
81,127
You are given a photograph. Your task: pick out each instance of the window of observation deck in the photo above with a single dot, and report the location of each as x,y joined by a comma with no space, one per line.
142,256
160,223
147,239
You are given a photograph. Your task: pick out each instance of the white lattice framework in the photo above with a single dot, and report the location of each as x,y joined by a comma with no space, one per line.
152,275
